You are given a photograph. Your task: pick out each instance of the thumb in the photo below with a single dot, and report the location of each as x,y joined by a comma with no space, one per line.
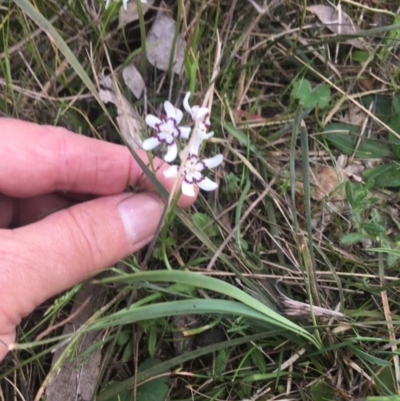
53,254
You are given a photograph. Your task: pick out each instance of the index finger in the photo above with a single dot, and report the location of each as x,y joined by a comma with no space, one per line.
38,159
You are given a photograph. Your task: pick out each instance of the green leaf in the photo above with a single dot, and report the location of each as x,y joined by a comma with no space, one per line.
396,104
247,305
351,238
124,337
385,175
258,359
205,223
302,90
128,352
221,361
359,55
340,135
394,141
323,95
322,391
154,390
373,228
391,260
152,342
382,104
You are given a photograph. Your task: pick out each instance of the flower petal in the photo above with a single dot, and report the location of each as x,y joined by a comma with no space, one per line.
152,121
207,185
171,154
213,161
151,143
179,116
204,135
188,189
170,110
197,141
198,113
171,172
186,103
185,132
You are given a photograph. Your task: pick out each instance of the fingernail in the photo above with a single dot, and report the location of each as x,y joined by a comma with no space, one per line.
140,215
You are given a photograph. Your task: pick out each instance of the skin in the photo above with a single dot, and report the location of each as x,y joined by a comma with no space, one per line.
64,196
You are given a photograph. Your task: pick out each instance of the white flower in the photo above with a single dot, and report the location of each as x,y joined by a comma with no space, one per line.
166,130
201,114
192,172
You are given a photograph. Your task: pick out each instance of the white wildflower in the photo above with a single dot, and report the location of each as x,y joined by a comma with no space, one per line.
192,172
166,130
199,114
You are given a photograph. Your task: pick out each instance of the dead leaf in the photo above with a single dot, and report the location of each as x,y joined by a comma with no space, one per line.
337,21
159,43
354,115
131,12
326,183
128,120
133,80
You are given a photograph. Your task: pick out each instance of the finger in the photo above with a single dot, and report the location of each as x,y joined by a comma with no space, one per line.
6,211
36,159
36,208
53,254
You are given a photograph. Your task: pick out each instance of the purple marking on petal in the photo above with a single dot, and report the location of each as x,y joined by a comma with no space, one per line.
201,179
189,181
169,143
161,139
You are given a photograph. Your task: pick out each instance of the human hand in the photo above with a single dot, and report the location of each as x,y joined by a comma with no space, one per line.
58,242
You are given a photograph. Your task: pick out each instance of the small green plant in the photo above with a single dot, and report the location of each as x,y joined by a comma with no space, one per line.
303,92
367,220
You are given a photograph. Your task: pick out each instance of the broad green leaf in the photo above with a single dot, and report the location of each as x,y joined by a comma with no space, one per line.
340,135
258,359
154,390
302,90
221,361
359,55
385,175
322,391
351,238
388,378
124,337
373,228
391,260
205,223
382,106
323,95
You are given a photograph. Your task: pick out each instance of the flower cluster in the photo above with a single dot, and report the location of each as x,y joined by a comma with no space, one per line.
167,131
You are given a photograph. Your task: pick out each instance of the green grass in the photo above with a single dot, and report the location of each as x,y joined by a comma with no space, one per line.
284,86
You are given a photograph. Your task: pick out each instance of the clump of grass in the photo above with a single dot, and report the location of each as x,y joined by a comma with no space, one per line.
259,234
